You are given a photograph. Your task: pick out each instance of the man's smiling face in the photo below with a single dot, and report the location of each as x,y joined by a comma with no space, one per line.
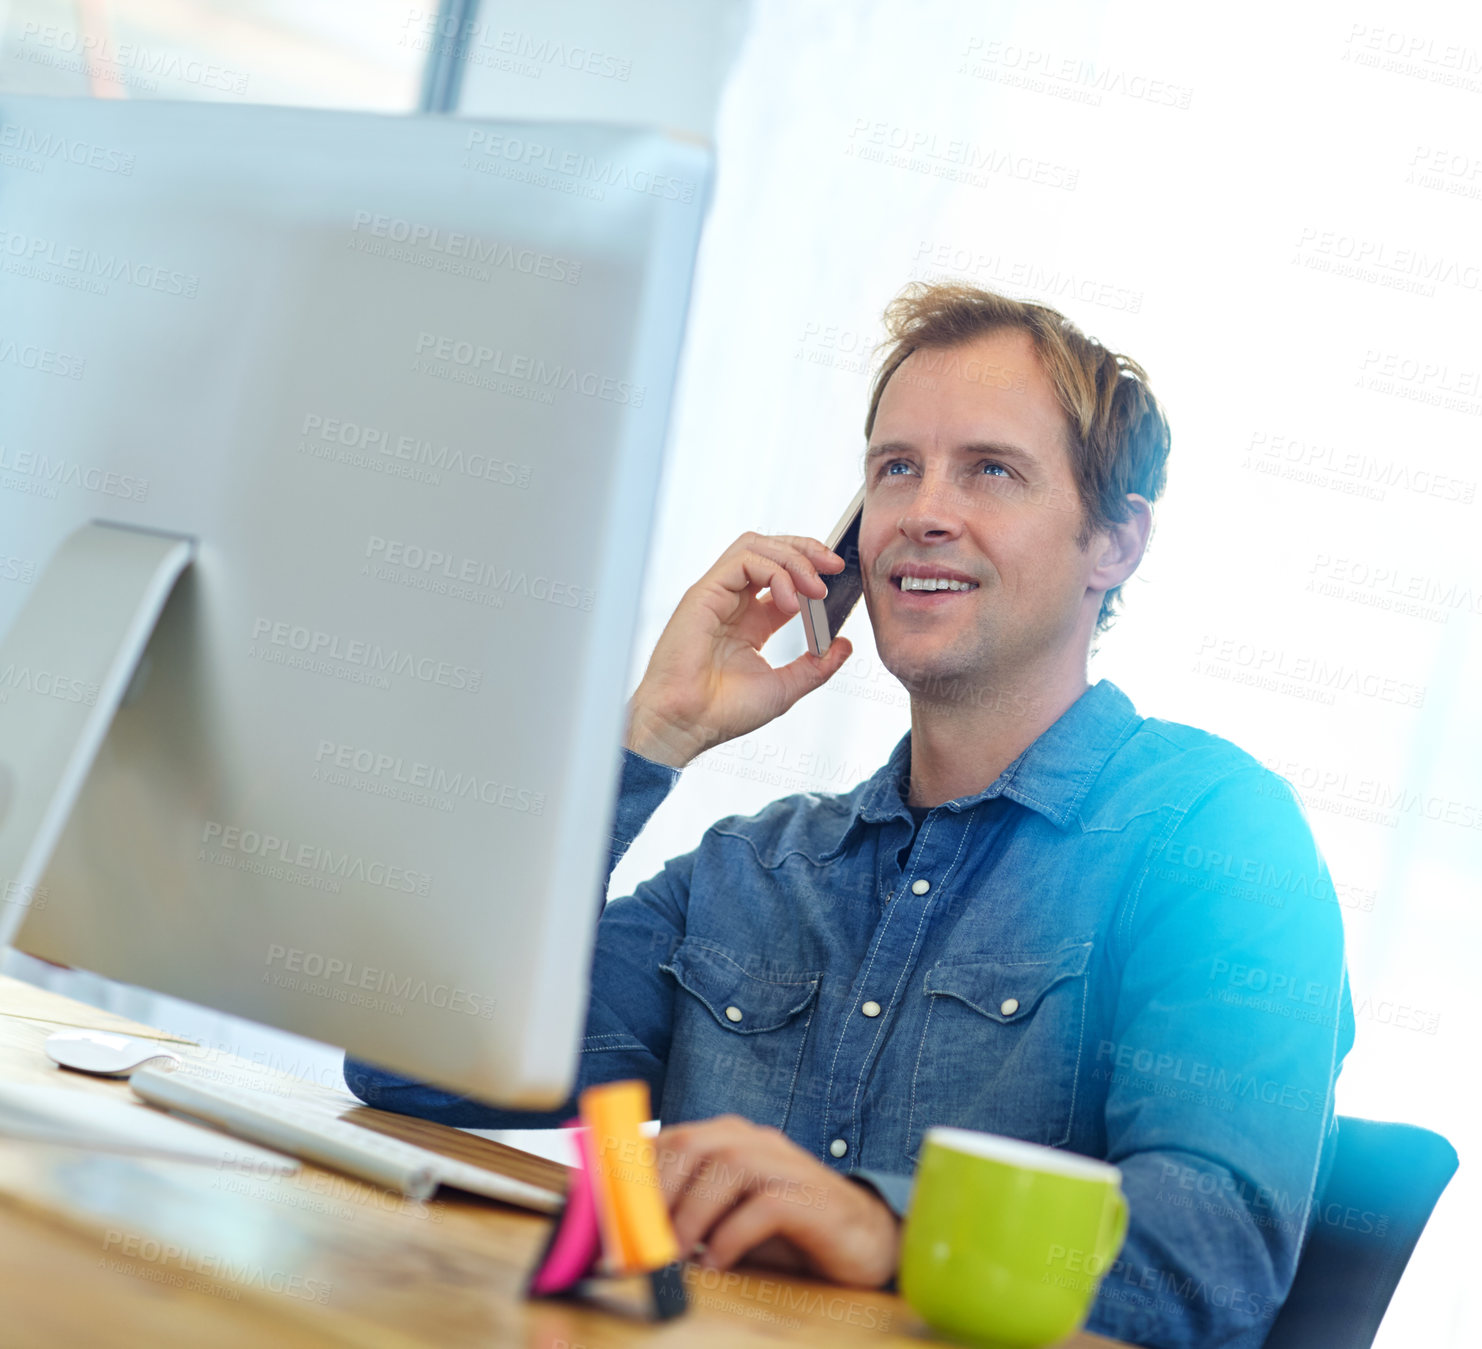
967,476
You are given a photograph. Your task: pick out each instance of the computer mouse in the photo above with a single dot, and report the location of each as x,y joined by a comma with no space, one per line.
105,1054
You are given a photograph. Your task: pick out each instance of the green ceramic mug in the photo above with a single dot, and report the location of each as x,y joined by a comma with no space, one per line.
1006,1242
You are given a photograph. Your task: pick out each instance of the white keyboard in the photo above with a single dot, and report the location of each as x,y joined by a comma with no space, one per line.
313,1133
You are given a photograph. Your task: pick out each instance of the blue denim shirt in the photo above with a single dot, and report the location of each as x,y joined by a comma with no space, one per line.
1128,945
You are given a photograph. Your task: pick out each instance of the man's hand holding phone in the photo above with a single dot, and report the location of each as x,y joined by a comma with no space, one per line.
707,681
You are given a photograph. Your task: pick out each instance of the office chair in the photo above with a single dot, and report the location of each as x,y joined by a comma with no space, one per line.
1385,1181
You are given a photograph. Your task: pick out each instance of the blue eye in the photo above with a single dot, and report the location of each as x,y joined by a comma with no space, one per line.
887,469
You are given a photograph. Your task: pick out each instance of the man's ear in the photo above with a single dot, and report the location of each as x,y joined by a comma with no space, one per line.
1121,546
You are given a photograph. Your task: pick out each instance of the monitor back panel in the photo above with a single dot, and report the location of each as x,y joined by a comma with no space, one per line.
406,380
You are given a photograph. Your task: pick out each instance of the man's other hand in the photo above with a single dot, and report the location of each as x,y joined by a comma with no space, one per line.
747,1190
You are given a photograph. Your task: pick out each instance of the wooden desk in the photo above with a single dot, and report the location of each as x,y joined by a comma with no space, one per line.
104,1250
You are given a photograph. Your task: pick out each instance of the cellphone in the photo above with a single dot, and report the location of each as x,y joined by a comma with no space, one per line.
823,618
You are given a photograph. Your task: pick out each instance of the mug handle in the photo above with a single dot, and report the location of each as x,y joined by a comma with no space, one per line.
1111,1243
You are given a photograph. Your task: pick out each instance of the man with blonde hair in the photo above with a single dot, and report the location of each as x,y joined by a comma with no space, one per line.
1045,916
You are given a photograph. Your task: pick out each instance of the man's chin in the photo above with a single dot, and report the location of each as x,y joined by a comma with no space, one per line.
946,676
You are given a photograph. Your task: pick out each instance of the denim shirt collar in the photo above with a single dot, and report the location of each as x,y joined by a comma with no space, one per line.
1051,776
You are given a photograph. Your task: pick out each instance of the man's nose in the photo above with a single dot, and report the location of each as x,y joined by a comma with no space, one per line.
934,511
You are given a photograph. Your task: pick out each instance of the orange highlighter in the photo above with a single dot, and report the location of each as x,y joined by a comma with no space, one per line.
615,1222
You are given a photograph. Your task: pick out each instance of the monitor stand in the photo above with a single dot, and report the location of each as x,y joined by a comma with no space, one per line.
66,666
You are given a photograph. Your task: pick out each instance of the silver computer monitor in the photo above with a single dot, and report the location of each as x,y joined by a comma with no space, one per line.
394,390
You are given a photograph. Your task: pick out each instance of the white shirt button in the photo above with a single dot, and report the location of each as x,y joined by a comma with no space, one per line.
838,1147
920,887
734,1013
871,1008
1009,1006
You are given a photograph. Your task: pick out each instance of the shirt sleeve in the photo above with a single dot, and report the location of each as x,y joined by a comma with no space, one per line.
894,1187
1231,1023
628,1015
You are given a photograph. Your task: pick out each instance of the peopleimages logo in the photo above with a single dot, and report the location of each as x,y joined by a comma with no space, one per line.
43,360
1171,1069
397,989
26,896
266,847
93,269
929,152
45,684
399,554
337,438
465,355
935,261
121,1249
319,647
511,49
458,247
1401,267
1070,77
43,145
492,151
48,472
92,53
1299,674
335,761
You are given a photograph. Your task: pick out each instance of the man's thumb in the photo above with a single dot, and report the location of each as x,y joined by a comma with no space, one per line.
809,672
839,651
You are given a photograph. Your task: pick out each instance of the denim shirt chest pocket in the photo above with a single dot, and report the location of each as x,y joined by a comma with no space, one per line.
739,1029
1001,1045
